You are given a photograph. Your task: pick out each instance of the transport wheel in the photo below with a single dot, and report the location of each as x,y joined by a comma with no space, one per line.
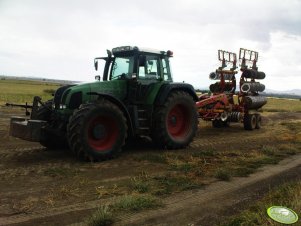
226,123
217,123
258,121
97,131
175,123
250,121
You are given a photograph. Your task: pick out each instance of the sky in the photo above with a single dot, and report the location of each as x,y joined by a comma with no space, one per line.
59,39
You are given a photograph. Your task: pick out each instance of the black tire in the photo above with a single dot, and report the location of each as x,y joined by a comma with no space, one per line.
49,140
217,123
175,123
97,131
52,141
249,121
258,121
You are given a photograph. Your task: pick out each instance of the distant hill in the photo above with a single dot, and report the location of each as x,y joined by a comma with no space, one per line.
290,94
58,81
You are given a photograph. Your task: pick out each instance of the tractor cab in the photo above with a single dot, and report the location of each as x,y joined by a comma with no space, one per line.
142,70
128,62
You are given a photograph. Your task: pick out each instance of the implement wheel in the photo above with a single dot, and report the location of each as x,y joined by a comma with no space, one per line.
175,122
97,131
258,121
250,121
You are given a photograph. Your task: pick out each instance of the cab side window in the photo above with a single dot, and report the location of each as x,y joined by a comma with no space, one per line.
149,67
166,70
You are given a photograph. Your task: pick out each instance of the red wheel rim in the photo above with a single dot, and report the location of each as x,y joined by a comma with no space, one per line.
102,132
178,121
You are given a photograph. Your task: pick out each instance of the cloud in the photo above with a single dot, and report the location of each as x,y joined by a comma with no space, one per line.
59,39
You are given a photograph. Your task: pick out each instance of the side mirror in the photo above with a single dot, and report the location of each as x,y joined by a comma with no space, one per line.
96,64
109,53
97,77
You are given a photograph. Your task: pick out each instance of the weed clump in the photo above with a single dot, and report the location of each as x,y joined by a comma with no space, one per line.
222,174
136,203
102,217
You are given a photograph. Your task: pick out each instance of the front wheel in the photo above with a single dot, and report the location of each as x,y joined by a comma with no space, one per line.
97,131
175,123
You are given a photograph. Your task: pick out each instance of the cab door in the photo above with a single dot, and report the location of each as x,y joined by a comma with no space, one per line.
149,77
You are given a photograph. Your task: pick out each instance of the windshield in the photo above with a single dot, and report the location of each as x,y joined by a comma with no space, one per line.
122,68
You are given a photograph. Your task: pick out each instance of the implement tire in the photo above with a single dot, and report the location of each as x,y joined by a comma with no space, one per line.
97,131
175,123
258,121
250,121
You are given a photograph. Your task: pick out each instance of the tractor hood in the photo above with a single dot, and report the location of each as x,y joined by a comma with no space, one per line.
76,95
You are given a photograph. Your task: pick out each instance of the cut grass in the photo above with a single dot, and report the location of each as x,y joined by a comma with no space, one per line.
288,195
151,157
173,183
61,172
189,170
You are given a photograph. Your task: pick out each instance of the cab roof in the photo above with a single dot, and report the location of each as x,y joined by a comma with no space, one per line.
124,49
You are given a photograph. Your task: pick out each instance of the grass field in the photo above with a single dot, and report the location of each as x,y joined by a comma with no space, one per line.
282,105
21,91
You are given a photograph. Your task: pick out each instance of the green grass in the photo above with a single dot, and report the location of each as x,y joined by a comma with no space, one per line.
140,183
222,174
282,105
21,91
103,216
136,203
107,214
288,195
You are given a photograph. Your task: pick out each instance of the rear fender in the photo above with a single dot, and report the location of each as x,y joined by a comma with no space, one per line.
166,89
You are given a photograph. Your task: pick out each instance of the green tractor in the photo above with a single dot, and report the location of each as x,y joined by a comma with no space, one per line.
136,97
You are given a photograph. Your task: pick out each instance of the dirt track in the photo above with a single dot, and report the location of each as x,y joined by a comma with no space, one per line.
42,187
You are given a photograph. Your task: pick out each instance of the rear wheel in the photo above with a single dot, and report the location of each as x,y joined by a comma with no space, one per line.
250,121
175,122
97,131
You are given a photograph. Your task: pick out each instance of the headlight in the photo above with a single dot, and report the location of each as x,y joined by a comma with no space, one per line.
63,106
